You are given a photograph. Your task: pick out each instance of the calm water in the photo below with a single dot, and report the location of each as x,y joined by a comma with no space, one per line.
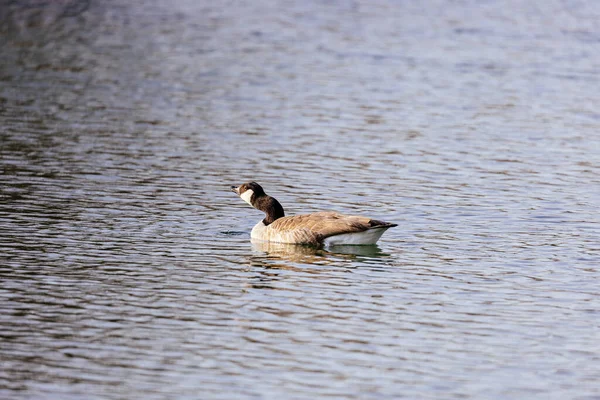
126,265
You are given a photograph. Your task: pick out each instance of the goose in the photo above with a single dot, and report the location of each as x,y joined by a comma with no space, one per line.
321,228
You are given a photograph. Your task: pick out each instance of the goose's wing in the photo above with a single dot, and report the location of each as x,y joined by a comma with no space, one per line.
327,223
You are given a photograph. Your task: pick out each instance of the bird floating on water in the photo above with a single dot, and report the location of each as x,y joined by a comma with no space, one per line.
321,228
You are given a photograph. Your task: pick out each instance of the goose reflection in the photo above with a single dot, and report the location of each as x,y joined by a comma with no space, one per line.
311,254
269,260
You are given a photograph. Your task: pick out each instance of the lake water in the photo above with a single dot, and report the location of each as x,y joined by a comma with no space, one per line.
126,265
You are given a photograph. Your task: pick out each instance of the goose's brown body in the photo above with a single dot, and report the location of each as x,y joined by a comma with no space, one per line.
314,228
319,228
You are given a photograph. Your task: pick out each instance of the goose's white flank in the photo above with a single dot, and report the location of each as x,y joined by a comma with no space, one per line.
320,228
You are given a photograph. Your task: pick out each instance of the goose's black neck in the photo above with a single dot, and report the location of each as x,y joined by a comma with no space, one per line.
270,207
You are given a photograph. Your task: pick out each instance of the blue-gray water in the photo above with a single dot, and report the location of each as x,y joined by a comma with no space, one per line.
125,262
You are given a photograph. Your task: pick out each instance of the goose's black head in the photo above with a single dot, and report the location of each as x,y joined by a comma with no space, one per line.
249,191
253,194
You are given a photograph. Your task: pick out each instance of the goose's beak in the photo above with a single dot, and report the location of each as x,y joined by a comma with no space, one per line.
234,189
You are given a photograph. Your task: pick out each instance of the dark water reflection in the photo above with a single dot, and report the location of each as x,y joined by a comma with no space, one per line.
126,265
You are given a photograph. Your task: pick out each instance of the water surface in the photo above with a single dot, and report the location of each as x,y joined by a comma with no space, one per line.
126,265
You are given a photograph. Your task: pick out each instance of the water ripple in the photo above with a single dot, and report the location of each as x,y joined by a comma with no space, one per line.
127,267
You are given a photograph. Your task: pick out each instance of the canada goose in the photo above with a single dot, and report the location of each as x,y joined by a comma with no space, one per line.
320,228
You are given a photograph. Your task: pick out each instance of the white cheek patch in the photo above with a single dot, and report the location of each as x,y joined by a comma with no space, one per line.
247,195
